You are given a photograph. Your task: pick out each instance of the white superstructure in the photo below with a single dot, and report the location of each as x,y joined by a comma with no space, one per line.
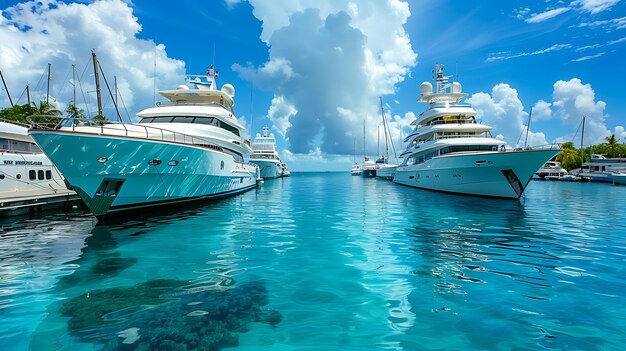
190,148
600,168
551,170
27,177
449,150
265,155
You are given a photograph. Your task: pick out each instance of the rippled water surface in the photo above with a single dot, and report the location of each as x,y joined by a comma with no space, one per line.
325,262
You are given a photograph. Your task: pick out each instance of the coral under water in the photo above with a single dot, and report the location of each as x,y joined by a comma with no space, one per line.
197,318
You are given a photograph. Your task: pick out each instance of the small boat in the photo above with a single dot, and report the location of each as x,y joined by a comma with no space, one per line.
551,170
450,151
28,179
356,170
286,171
601,168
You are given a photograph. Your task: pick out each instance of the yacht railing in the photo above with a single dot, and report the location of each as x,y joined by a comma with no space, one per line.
133,130
25,125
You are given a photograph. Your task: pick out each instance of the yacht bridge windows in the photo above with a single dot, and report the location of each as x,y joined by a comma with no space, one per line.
191,119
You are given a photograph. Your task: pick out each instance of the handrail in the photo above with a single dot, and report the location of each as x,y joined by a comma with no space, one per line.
14,122
85,122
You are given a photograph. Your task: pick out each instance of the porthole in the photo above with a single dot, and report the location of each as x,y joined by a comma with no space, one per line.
222,165
172,163
102,159
154,162
19,176
1,176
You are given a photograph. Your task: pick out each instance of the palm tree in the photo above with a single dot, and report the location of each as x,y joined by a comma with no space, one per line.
569,158
611,145
45,113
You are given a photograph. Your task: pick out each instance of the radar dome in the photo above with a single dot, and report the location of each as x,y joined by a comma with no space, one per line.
272,135
426,88
456,87
229,90
183,87
258,135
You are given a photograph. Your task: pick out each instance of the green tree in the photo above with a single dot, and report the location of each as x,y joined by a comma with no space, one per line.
74,112
569,157
611,146
17,113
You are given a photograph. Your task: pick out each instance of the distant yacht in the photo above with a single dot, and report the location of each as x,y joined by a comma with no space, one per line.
266,157
187,149
286,171
551,170
27,177
356,170
452,152
600,168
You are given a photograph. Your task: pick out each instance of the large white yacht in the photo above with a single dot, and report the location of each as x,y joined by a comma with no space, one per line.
601,168
189,148
27,177
450,151
265,155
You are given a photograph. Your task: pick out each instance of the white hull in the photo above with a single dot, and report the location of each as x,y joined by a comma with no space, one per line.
619,179
113,174
494,174
30,180
386,172
269,169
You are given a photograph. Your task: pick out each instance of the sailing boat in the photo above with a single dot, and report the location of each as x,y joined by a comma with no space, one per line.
384,169
356,169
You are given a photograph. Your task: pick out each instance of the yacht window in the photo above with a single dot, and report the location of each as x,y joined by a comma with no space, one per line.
147,120
40,175
32,175
167,119
183,119
230,128
48,174
206,120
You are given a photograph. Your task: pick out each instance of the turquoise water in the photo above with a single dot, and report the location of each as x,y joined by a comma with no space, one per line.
326,262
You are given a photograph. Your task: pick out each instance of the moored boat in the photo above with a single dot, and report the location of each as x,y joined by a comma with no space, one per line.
28,179
450,151
265,155
190,148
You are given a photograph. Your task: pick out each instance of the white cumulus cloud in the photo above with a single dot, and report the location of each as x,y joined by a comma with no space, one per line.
596,6
330,60
504,111
35,33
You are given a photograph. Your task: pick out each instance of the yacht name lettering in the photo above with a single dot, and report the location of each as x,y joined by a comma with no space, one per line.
23,163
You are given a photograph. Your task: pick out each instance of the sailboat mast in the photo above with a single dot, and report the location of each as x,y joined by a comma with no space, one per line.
363,139
382,112
6,88
528,128
582,138
74,83
378,141
28,94
95,72
48,93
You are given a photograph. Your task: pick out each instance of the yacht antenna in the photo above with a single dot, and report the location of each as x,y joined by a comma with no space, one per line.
95,72
528,128
48,93
7,89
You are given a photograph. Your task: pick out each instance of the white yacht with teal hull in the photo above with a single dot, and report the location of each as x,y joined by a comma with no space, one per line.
450,151
265,155
187,149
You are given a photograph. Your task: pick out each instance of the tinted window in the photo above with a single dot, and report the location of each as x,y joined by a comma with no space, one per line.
40,174
32,175
48,174
162,119
183,119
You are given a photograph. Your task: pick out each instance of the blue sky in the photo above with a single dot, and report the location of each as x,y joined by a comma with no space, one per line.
313,70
